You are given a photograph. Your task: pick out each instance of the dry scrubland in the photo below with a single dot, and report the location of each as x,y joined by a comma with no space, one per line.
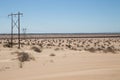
61,59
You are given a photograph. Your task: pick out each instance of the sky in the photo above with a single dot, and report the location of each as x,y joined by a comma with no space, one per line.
62,16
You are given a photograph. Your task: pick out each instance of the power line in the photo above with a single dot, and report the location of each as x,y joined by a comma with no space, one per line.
15,23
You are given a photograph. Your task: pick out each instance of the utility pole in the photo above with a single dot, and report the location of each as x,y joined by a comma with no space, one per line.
15,23
24,32
11,29
19,14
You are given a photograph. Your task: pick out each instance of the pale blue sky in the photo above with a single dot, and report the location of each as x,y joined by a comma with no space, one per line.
62,16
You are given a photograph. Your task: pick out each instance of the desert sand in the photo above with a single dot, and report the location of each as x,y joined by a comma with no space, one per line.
61,59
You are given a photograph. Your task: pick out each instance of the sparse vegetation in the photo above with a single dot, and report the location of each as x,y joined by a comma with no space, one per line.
91,50
109,49
56,49
52,54
41,45
68,46
22,57
36,49
92,45
4,68
7,45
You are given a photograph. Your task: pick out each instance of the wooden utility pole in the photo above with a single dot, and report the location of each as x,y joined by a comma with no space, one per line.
15,23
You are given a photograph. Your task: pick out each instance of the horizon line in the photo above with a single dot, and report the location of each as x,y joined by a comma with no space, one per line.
69,33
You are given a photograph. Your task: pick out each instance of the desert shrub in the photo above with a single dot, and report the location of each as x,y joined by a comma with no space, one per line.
36,49
49,44
78,45
28,43
7,45
41,45
68,46
73,48
109,49
56,49
99,49
33,43
91,49
23,56
52,54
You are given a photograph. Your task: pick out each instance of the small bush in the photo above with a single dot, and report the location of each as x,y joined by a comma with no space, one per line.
23,56
36,49
28,43
73,48
68,46
52,54
56,49
99,49
7,45
91,49
41,45
109,49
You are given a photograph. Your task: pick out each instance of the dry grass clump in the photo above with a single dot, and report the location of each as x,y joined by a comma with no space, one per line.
7,45
110,49
23,56
57,49
73,48
91,49
41,45
68,46
52,54
4,68
36,49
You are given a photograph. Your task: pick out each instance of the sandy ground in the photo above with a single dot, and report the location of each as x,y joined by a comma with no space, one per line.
65,65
